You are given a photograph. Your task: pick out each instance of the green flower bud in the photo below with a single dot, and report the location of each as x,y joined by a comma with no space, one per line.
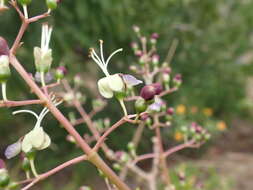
4,178
51,4
25,164
116,166
140,105
131,146
5,72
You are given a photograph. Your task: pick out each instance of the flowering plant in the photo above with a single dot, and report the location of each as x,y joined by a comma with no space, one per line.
151,110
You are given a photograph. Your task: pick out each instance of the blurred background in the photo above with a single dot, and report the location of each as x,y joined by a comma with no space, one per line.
214,56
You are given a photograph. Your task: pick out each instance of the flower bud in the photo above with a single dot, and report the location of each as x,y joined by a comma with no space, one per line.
155,36
136,29
148,92
117,167
177,80
24,2
134,45
4,178
158,88
140,105
155,59
170,111
5,72
60,72
51,4
25,164
77,80
131,146
4,48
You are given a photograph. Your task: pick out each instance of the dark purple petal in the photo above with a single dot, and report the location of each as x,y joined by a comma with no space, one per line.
131,80
13,150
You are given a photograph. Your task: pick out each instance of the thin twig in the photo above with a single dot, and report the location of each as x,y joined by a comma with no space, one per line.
19,103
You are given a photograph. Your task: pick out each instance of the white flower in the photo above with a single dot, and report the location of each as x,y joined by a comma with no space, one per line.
111,83
36,139
43,55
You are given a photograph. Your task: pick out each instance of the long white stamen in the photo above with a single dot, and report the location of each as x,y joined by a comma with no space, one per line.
49,37
100,65
97,57
101,51
42,37
108,59
44,113
26,111
96,60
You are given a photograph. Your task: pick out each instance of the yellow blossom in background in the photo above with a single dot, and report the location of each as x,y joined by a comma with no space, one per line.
194,109
208,112
221,126
181,109
178,136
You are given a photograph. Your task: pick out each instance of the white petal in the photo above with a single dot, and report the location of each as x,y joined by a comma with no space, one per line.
26,144
116,83
104,88
46,143
37,136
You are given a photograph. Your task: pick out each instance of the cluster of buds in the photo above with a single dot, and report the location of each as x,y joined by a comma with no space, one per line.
198,133
5,181
147,96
